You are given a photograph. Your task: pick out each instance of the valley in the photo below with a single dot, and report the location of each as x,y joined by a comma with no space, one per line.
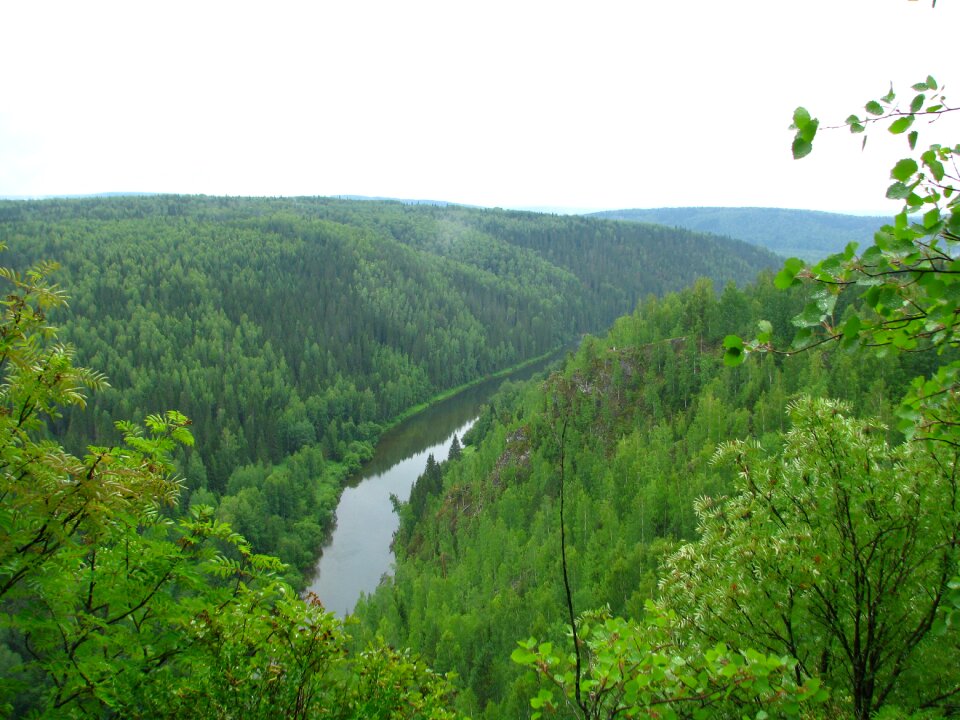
293,331
313,347
359,552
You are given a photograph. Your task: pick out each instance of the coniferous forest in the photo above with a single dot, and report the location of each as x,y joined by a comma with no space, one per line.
737,497
634,419
291,332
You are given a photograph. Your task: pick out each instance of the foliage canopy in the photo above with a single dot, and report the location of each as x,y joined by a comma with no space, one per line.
110,607
837,551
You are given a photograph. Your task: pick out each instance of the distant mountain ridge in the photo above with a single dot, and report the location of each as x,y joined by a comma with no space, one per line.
808,234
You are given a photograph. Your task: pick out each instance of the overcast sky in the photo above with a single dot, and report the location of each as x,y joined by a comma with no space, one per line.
583,105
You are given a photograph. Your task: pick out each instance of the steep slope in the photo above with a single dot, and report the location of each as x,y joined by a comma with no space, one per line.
291,330
636,417
807,234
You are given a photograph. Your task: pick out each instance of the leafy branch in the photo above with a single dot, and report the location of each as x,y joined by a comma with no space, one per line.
635,668
908,277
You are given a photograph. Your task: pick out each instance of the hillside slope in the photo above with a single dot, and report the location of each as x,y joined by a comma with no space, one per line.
291,330
639,414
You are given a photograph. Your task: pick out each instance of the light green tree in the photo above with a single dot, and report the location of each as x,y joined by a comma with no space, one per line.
908,280
649,670
837,551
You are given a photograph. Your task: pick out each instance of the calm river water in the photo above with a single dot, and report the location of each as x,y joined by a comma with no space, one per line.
358,553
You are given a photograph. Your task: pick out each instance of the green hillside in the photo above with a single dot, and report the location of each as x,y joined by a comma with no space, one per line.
656,529
806,234
625,435
803,569
291,331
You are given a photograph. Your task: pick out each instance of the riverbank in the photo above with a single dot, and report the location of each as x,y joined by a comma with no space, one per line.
447,394
357,552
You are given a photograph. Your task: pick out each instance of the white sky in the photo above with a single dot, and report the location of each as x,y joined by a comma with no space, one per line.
567,104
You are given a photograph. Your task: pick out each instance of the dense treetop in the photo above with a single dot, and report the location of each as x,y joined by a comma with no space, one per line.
801,551
111,608
291,330
478,562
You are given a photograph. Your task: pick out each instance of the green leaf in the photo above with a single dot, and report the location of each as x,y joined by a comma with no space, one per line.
733,354
912,139
953,223
920,87
523,657
904,169
801,148
931,218
827,303
901,124
917,103
874,108
936,169
851,329
934,286
855,125
733,342
544,697
931,83
812,315
809,131
801,337
890,96
764,330
787,276
801,117
904,341
899,191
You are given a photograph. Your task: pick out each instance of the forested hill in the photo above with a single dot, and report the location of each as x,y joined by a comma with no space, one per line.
806,234
619,448
294,329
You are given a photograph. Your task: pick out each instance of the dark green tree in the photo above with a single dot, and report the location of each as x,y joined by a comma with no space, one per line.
455,449
108,607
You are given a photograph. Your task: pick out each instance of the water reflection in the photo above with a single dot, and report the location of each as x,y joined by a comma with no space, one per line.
359,553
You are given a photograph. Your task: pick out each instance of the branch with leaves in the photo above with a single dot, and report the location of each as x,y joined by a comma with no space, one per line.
644,670
909,278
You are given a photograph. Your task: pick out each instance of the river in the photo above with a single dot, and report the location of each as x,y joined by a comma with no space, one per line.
358,553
